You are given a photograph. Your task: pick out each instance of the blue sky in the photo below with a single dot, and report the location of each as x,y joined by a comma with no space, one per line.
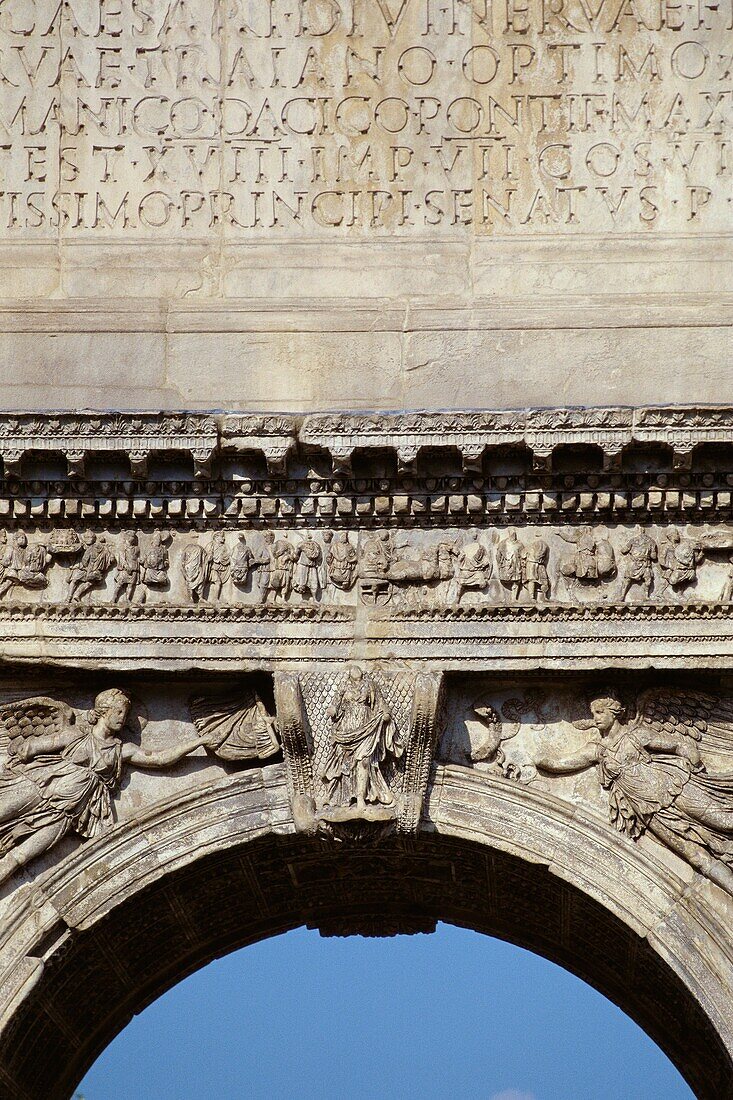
451,1015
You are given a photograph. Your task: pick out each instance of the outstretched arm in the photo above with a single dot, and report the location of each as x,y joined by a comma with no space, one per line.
566,765
146,758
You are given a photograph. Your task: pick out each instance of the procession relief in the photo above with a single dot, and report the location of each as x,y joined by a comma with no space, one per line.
382,568
657,761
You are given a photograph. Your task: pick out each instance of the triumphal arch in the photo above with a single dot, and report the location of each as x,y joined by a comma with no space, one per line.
366,557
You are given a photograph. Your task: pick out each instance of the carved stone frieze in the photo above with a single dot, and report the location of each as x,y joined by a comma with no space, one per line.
436,567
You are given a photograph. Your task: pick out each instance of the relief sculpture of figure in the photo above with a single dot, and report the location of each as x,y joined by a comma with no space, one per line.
593,559
472,569
509,554
281,570
656,781
535,576
375,565
24,565
341,562
62,770
196,569
127,573
92,569
365,740
261,565
155,563
221,561
308,572
640,553
241,562
678,560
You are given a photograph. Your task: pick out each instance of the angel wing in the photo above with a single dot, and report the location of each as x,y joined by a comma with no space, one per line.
39,714
679,712
236,725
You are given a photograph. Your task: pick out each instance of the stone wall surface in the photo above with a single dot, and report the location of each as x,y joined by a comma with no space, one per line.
306,204
366,496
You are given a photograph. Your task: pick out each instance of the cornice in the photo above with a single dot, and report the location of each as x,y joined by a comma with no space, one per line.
277,437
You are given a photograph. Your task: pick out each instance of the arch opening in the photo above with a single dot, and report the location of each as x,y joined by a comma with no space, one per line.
455,1013
95,979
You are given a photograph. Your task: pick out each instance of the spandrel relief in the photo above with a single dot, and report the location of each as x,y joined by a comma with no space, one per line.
657,760
70,770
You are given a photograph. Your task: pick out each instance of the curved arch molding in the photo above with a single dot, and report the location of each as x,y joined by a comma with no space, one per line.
364,673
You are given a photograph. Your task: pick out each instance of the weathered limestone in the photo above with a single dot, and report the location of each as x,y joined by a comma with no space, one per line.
291,651
487,654
347,204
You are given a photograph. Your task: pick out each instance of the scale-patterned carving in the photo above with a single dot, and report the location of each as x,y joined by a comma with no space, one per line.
319,692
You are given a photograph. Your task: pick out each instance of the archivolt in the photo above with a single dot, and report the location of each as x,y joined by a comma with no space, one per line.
93,940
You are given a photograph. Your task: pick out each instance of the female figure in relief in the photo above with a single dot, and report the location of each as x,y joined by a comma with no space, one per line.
61,772
364,737
656,781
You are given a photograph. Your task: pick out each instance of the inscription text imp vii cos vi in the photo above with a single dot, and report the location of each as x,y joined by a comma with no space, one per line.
162,117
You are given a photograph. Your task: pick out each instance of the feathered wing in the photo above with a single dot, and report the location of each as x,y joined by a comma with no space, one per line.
236,725
677,712
27,717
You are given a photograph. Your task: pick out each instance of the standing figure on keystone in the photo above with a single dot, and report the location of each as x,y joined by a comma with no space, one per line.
364,739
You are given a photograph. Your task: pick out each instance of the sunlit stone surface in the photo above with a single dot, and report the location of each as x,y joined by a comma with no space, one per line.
280,648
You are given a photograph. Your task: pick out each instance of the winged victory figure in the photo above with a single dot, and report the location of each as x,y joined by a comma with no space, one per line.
62,769
649,762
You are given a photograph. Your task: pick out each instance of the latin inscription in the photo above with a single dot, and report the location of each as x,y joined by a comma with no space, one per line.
342,117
